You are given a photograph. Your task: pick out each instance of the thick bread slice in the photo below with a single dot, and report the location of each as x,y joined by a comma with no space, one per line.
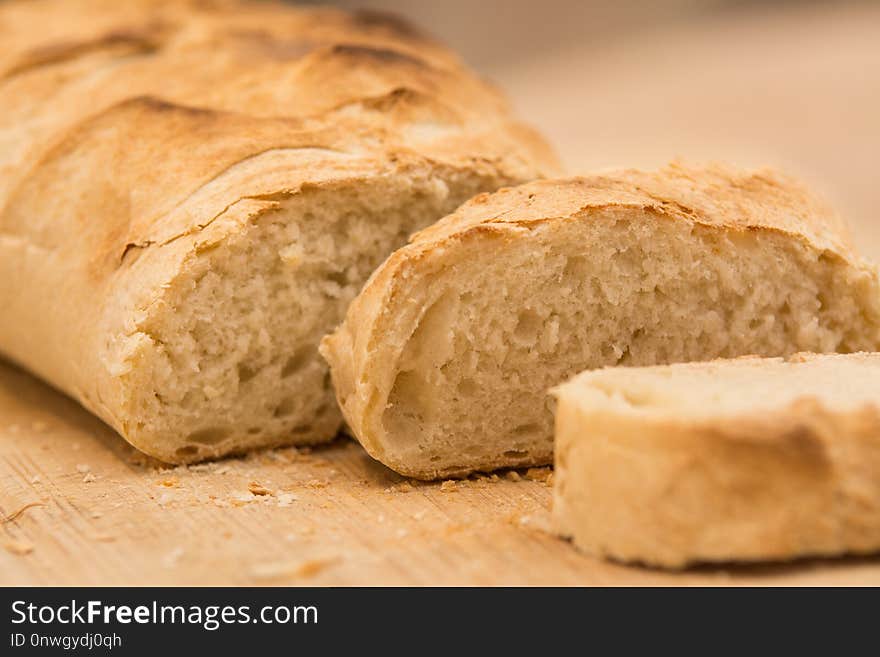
444,360
191,192
738,460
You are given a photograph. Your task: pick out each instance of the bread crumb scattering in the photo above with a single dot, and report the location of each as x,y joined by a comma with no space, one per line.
402,487
257,488
539,474
449,486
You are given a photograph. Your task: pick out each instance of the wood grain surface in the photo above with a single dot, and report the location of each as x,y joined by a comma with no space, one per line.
798,88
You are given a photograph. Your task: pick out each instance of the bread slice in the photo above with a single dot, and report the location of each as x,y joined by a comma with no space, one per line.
444,359
191,193
734,460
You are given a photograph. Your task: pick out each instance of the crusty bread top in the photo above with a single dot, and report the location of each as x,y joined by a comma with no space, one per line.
725,388
716,194
152,112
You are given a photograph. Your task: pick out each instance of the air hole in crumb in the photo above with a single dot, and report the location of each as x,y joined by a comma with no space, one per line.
527,327
524,429
209,436
339,277
296,362
515,454
246,373
286,407
468,387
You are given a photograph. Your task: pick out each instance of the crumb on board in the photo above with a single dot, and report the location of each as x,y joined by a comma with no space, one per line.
449,486
35,479
512,475
401,487
305,569
539,474
256,488
15,515
286,499
89,478
16,547
82,468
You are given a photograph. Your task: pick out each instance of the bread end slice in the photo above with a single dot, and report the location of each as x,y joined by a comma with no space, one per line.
738,460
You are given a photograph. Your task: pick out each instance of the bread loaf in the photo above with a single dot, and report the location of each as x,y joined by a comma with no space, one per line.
740,460
444,360
191,192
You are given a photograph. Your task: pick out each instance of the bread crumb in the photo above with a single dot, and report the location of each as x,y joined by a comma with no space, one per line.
512,475
256,488
305,569
222,469
89,478
167,483
317,483
286,499
539,474
402,487
15,515
82,468
35,479
240,498
449,486
18,548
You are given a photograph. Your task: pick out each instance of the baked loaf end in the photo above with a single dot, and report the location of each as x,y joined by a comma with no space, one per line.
191,193
740,460
445,357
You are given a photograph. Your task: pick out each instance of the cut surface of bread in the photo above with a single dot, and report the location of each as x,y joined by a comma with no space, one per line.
445,358
733,460
191,192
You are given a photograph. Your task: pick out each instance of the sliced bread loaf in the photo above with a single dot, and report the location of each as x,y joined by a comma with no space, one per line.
191,192
736,460
444,360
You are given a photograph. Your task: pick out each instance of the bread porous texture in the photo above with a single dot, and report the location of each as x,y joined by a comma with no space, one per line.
444,366
728,461
230,359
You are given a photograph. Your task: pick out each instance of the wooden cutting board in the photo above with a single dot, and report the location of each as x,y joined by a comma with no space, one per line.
85,508
81,507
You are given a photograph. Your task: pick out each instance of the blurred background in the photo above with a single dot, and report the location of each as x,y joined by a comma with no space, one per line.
639,82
